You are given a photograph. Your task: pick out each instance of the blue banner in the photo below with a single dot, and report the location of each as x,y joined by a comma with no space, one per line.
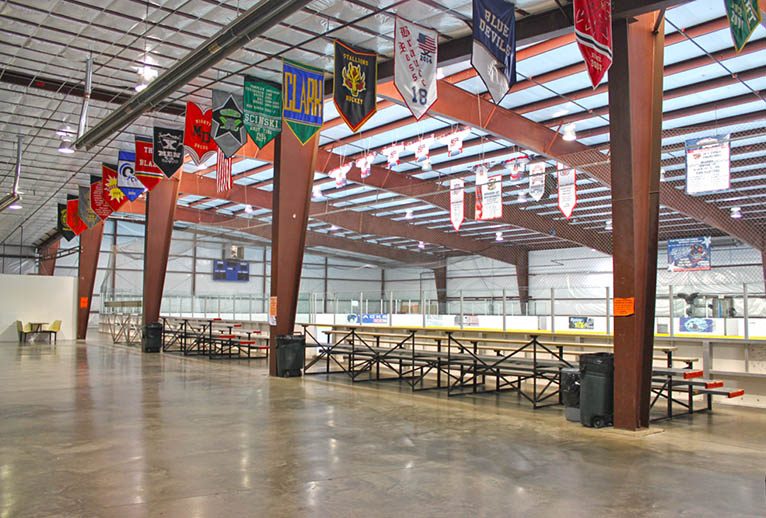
374,318
696,325
126,176
494,45
302,99
689,254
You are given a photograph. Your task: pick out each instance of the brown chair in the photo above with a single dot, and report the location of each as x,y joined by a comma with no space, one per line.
52,329
23,331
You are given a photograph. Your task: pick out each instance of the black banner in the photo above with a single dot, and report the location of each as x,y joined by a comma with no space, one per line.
356,75
168,152
62,225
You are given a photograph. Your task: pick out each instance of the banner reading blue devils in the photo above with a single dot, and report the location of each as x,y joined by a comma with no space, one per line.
494,45
302,99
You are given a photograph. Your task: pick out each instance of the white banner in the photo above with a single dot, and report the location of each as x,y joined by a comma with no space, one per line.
415,50
456,203
492,198
707,165
567,190
537,180
481,179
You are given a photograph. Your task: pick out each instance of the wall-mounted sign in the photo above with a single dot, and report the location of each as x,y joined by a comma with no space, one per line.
689,254
581,322
697,325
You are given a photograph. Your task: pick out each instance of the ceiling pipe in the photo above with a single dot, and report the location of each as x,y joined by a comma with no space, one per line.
251,24
85,98
14,196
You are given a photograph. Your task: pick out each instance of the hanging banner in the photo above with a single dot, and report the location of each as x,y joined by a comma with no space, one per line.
707,165
567,180
354,92
494,45
339,174
86,213
364,164
744,17
454,141
415,58
421,148
537,180
689,254
392,154
481,179
456,202
126,175
146,171
97,201
262,106
227,127
302,99
492,198
73,214
514,168
61,225
222,173
593,32
113,195
197,139
166,150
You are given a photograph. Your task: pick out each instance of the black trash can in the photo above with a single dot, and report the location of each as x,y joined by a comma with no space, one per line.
570,393
152,337
596,389
291,354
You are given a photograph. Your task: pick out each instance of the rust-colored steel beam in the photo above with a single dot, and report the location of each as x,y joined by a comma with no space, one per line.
440,278
160,213
90,248
636,123
48,264
522,280
293,180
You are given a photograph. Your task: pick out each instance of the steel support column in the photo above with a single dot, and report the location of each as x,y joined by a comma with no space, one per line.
763,265
522,280
90,247
293,179
440,276
48,262
635,112
160,213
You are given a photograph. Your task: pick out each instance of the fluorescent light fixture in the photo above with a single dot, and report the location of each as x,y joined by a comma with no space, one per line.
736,212
569,133
499,235
421,245
408,214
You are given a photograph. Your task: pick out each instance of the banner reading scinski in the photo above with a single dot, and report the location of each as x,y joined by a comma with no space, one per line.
63,227
356,74
593,32
263,101
494,45
302,99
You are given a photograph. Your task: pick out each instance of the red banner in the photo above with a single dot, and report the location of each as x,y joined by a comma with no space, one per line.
593,31
146,171
73,215
112,194
97,201
197,139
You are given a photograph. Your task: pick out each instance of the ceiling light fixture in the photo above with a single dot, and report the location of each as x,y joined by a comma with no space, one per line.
316,192
408,214
65,147
333,228
608,225
569,133
421,245
499,235
248,209
662,174
736,212
521,198
16,205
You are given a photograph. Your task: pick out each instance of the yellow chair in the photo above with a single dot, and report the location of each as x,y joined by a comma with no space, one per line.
52,329
23,330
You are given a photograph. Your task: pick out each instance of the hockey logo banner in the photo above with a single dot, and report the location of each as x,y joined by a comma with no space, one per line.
126,175
415,59
356,75
302,99
494,45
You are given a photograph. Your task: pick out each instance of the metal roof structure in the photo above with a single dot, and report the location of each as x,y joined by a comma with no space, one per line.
709,89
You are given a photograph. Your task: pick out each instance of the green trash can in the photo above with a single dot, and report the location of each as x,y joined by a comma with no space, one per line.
152,338
597,389
291,355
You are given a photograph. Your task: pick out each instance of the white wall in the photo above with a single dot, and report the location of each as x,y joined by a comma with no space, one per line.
36,298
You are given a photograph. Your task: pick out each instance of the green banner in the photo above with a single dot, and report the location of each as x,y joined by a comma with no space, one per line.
303,98
744,16
263,105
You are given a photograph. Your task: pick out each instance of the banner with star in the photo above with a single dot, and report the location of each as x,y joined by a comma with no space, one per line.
228,128
354,92
113,195
302,99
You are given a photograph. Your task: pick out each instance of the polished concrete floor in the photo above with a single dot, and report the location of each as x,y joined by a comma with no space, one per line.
103,431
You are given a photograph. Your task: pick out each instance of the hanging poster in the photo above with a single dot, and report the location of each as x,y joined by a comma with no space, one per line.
492,198
73,214
744,17
707,165
147,173
415,58
166,151
537,180
197,139
97,201
262,106
61,225
126,175
113,195
302,99
355,83
689,254
86,213
593,32
227,127
456,202
481,178
494,45
567,180
514,168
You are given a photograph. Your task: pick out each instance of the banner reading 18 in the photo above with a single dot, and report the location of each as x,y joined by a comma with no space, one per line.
415,58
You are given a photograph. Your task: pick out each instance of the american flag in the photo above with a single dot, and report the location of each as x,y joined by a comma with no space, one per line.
426,42
222,172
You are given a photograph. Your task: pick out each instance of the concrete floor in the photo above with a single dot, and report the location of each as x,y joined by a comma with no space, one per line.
103,431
